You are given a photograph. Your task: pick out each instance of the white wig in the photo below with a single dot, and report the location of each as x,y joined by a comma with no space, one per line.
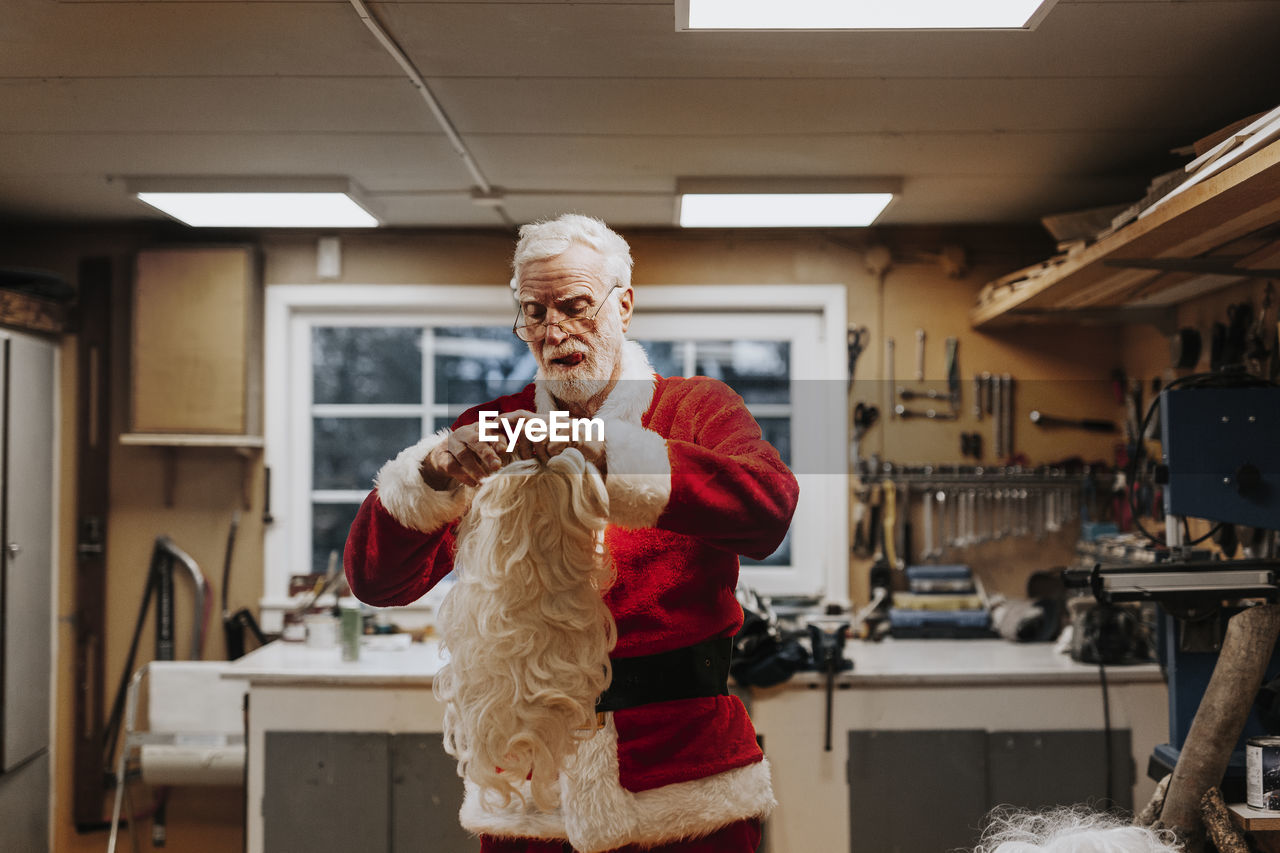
552,237
527,632
1070,830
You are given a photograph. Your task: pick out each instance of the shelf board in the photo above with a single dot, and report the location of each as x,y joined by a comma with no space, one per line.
157,439
1227,206
1253,820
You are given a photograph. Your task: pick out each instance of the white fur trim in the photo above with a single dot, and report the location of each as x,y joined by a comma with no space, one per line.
639,474
598,814
409,499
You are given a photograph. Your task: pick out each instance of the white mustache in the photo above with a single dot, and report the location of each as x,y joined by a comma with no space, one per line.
564,352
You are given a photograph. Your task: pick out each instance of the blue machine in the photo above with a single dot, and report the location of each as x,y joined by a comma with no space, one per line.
1222,450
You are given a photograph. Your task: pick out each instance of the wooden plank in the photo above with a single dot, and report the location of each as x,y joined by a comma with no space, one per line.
1238,201
190,340
31,313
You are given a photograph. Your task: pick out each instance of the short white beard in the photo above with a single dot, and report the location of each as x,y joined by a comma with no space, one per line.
586,381
526,630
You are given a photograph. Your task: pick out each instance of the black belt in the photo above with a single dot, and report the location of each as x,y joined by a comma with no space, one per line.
691,672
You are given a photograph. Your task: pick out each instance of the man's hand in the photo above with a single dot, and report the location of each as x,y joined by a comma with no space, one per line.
466,459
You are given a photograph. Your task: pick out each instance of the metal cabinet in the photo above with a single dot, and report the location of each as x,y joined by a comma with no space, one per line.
367,791
27,429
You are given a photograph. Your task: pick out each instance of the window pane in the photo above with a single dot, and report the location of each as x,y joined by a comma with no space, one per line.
777,431
667,357
758,370
780,557
347,452
330,524
366,364
475,364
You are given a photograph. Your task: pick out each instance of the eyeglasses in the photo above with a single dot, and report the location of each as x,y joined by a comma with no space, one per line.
572,324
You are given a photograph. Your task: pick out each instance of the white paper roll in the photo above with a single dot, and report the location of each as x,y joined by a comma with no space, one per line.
163,764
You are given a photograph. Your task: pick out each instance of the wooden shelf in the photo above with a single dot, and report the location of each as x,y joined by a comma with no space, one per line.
1253,820
246,446
1221,210
163,439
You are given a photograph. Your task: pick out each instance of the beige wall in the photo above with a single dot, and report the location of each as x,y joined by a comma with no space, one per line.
916,292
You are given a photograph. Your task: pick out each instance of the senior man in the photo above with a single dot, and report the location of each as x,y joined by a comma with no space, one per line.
675,765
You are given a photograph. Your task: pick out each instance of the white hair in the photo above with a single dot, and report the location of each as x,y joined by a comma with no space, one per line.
1070,830
552,237
527,632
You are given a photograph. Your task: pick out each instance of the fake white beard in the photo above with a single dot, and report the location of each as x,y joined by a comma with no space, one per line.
527,632
1069,830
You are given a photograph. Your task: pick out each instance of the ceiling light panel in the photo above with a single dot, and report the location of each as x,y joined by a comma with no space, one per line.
860,14
781,210
247,202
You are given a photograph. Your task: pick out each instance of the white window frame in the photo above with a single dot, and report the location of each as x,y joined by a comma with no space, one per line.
819,539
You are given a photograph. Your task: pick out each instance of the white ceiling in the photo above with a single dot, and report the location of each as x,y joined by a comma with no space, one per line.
599,105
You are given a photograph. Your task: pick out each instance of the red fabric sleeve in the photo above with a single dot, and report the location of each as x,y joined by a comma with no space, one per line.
387,563
729,487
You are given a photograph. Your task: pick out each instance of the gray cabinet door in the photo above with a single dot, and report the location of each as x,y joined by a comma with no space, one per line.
426,794
912,791
26,546
325,792
1036,770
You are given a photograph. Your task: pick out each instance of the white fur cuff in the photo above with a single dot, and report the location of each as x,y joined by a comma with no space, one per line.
409,499
639,474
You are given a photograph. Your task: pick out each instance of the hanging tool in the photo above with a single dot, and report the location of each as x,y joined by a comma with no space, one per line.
1259,343
1006,394
864,418
977,396
889,495
987,395
1040,419
997,417
926,506
858,338
888,367
953,371
919,355
929,414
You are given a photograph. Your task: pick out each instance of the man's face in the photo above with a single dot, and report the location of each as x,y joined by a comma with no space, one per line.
582,365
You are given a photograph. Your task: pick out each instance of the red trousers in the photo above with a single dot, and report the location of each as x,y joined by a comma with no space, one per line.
740,837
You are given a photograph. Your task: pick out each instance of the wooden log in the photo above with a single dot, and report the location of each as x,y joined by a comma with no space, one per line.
1150,814
1246,650
1217,823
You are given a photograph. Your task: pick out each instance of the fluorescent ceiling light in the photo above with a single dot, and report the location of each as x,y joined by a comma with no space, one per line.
782,202
781,210
860,14
254,203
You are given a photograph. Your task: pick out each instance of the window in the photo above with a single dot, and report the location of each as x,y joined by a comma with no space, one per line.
354,376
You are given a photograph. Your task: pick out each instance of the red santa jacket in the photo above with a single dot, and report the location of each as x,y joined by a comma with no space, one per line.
691,486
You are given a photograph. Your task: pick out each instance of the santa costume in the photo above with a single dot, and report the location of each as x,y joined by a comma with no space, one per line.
692,486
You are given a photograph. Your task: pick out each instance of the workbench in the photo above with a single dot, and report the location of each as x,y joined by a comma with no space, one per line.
356,745
949,728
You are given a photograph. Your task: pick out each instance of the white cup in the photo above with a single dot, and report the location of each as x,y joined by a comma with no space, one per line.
322,630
